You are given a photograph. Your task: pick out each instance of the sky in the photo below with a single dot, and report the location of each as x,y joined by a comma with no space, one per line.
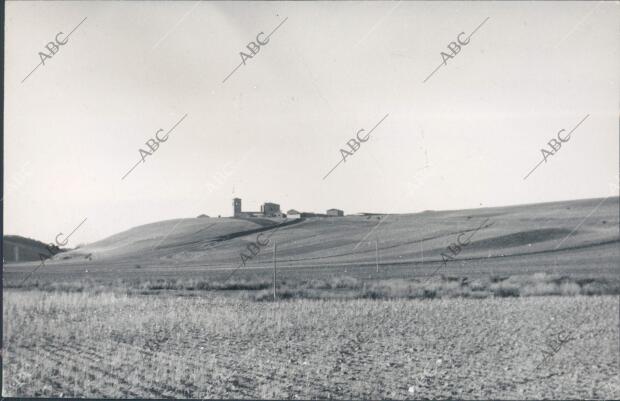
465,138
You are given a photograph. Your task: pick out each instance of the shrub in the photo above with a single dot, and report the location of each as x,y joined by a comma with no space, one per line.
570,289
504,289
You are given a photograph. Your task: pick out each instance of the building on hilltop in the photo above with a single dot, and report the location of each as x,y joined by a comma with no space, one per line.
335,212
311,214
293,214
269,209
237,207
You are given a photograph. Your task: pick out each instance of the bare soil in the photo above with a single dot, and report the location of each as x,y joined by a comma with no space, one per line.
110,345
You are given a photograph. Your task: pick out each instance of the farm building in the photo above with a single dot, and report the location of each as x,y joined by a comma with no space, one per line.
269,209
293,214
310,214
335,212
238,212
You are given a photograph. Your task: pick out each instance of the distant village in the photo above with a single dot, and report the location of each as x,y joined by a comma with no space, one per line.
269,209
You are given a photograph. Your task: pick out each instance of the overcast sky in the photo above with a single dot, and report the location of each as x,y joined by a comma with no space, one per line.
463,139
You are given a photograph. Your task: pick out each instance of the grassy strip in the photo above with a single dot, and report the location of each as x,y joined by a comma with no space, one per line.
337,287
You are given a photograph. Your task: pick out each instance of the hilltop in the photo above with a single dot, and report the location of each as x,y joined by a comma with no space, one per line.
401,238
568,247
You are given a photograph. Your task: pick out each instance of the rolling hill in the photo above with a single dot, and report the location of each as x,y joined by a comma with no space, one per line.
511,230
574,237
28,249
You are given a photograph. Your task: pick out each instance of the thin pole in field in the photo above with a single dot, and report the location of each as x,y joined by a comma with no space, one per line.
377,254
422,249
275,246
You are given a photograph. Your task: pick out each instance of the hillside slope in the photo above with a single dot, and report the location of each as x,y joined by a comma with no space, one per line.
28,249
401,238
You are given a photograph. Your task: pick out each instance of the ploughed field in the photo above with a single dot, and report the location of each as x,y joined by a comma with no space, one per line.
579,239
117,345
168,310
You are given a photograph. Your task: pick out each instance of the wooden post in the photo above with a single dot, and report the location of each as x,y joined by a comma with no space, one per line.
377,254
275,246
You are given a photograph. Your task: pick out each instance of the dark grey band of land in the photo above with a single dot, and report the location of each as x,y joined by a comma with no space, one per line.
540,162
369,132
42,261
268,36
285,223
470,35
466,241
392,267
171,129
38,65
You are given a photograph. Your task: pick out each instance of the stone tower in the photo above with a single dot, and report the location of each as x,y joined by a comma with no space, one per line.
236,207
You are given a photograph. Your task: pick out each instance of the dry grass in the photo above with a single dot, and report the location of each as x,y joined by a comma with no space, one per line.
118,345
347,287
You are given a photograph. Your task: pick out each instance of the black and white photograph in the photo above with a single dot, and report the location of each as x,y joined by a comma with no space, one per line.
311,200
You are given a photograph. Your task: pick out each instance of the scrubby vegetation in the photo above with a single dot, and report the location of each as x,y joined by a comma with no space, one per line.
539,284
347,287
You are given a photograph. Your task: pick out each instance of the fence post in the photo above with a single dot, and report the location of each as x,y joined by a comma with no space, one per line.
377,254
275,247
